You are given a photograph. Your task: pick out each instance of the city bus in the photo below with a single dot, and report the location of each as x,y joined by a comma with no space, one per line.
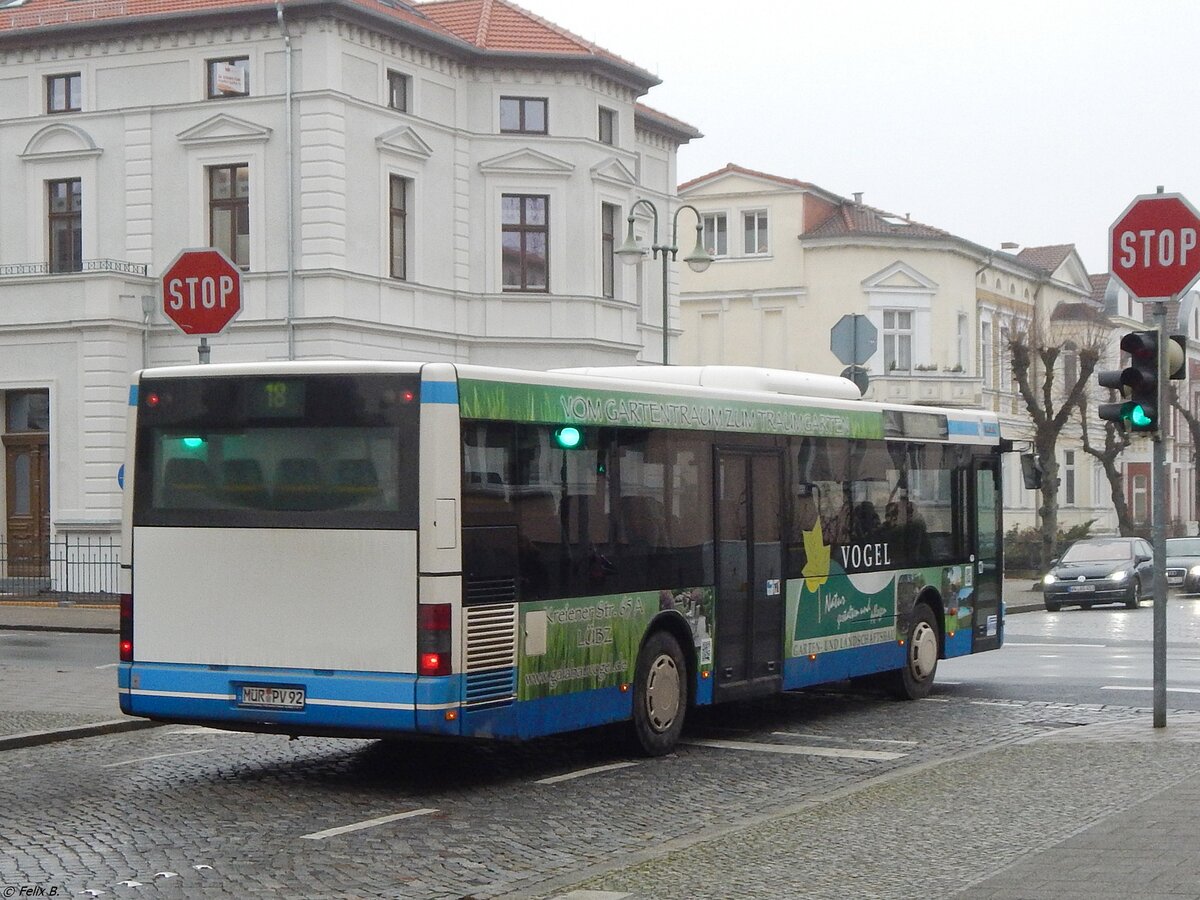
382,549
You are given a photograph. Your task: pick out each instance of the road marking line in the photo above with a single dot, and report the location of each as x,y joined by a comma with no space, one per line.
826,737
128,762
935,700
555,779
875,755
1017,644
1131,687
108,666
944,682
996,703
886,741
805,737
369,823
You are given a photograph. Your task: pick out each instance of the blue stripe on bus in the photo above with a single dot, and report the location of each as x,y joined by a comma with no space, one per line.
960,427
439,392
837,665
133,395
348,700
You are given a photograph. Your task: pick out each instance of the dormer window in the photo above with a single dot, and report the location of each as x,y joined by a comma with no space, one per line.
229,77
63,93
523,115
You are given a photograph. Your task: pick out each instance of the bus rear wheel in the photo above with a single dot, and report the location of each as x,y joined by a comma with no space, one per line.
660,695
915,679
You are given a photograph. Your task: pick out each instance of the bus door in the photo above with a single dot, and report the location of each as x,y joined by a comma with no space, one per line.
986,536
747,507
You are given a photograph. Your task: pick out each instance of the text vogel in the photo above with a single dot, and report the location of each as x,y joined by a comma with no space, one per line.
865,556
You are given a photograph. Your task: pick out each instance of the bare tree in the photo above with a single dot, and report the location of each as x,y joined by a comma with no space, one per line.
1035,352
1193,424
1115,441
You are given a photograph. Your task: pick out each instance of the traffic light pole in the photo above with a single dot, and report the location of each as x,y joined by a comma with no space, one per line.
1158,532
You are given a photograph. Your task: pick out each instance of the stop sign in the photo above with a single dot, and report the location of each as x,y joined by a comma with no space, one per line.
202,291
1153,247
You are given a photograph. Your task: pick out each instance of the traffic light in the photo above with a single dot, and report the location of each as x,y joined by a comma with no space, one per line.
1138,382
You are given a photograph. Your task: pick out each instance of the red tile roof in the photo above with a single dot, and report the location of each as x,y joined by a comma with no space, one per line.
1047,259
731,168
856,218
678,127
487,26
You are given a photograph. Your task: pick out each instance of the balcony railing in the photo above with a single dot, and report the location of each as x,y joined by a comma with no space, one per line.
120,266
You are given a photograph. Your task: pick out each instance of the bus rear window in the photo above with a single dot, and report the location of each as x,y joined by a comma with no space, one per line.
311,451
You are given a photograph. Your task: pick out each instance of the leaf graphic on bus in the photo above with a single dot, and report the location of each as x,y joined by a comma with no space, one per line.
816,551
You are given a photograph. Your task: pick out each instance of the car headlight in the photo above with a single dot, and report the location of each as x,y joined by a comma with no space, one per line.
1049,579
1194,571
1119,576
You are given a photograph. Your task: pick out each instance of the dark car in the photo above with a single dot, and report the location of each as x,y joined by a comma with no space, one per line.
1100,570
1183,564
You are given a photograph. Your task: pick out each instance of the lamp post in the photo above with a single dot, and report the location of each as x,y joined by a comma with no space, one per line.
698,260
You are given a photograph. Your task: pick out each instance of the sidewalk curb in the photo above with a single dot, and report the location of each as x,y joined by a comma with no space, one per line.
70,629
37,738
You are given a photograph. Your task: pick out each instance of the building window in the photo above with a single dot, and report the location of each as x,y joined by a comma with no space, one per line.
608,239
525,238
523,115
897,340
1070,357
1003,354
399,227
716,239
1141,511
985,353
1068,479
755,224
63,93
962,342
229,77
398,91
66,225
608,126
229,211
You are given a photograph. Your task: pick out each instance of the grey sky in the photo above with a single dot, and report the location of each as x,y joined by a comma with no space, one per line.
1034,121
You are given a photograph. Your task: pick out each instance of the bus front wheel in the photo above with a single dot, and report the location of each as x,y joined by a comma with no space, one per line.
660,694
915,679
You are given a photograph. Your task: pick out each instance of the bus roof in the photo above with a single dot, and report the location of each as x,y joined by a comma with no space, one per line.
751,390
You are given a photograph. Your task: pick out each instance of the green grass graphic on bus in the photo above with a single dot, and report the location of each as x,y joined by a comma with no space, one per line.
582,406
828,609
587,643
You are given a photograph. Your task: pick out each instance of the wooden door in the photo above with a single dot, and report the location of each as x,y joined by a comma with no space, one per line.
27,487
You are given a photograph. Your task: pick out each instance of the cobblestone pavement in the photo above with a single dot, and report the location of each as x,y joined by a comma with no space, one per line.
944,782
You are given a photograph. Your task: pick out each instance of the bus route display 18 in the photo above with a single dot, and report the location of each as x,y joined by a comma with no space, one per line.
378,549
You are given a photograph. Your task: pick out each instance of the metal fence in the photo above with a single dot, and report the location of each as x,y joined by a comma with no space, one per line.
75,564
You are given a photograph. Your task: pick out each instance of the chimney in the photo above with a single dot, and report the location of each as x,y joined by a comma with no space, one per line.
858,198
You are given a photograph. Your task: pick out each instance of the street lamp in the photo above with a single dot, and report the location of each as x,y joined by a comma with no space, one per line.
698,260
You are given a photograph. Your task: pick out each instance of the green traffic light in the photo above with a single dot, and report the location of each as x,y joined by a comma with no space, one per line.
1139,418
568,437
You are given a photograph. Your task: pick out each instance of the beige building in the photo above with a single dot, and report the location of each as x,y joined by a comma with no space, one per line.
792,259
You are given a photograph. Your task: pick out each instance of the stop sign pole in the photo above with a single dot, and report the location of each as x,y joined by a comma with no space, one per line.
1154,254
202,293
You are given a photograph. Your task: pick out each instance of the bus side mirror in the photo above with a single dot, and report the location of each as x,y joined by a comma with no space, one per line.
1031,471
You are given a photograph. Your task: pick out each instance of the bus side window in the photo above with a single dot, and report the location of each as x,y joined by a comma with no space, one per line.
243,483
187,483
298,484
355,483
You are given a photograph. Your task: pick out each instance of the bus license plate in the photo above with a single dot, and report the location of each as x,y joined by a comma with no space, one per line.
271,696
1082,588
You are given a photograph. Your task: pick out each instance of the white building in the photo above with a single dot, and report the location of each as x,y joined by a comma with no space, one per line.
441,181
792,259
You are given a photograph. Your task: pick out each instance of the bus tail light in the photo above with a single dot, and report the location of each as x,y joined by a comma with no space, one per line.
126,628
433,638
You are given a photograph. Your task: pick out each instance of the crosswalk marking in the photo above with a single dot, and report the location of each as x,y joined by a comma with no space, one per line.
795,750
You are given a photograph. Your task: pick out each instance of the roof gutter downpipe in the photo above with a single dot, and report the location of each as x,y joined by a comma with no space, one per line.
289,320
